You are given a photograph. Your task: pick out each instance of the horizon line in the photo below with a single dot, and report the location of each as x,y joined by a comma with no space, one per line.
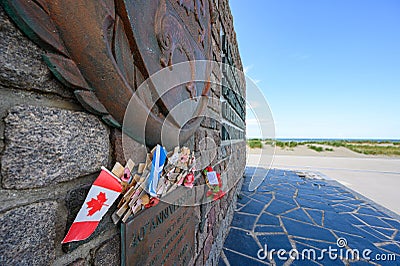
327,138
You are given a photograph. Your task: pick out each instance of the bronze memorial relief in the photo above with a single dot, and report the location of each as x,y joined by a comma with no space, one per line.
104,50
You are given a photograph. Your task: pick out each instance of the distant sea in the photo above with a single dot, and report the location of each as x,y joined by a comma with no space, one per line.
316,139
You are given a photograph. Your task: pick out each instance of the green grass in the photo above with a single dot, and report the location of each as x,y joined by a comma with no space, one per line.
374,149
255,143
280,144
335,143
286,144
315,148
370,147
269,142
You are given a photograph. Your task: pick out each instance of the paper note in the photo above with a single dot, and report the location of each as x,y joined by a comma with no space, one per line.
212,178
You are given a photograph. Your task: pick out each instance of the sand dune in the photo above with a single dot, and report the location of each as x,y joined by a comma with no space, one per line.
305,151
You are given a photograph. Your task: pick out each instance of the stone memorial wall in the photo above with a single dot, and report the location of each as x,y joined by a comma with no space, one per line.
52,149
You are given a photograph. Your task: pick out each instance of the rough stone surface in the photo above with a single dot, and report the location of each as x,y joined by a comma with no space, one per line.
12,97
126,148
109,253
207,246
74,200
49,145
224,222
200,259
27,235
78,262
21,62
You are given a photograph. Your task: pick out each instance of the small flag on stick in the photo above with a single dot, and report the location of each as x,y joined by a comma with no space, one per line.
157,164
104,191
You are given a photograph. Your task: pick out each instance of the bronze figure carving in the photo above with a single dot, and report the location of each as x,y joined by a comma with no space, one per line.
104,49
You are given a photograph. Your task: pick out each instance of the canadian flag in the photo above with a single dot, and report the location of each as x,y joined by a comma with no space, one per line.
104,191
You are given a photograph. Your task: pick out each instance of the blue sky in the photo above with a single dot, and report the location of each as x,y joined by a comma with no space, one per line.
328,68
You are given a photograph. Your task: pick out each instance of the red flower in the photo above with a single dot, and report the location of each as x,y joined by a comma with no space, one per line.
209,169
189,179
153,202
219,195
209,193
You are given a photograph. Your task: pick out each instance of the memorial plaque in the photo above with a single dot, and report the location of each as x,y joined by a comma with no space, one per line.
161,235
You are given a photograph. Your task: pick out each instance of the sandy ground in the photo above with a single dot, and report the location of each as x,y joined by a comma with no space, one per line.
375,177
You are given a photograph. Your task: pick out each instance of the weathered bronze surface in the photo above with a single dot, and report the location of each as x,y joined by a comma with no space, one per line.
104,49
161,235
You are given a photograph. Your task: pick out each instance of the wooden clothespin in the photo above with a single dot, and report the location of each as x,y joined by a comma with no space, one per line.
126,216
141,168
145,199
118,170
123,209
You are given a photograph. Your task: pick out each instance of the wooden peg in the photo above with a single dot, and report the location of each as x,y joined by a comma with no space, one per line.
129,193
148,161
122,210
141,168
137,207
126,216
115,218
118,170
136,177
145,199
130,165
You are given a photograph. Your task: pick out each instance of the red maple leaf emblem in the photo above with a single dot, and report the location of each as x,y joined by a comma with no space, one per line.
95,204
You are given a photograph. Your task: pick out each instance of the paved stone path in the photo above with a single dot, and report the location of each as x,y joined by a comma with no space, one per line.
303,215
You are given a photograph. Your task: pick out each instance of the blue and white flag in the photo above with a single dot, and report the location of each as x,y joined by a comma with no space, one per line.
157,165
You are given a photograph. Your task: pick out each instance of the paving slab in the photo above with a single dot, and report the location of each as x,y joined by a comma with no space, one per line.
297,218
